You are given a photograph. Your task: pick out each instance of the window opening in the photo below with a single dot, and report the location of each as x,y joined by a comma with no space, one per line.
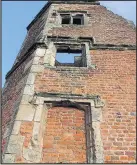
70,19
71,58
66,19
77,21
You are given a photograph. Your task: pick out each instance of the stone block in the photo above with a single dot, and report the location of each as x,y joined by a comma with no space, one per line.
31,79
26,99
38,113
47,58
9,158
98,142
96,114
15,144
36,138
25,113
52,60
29,90
16,127
36,128
40,52
32,155
36,60
37,68
40,100
92,103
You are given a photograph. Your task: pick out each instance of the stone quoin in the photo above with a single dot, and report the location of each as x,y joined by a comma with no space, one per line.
72,112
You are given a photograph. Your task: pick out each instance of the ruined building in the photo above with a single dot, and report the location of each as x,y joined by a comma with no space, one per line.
56,111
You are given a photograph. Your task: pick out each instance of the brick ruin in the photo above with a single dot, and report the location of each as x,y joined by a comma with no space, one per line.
80,112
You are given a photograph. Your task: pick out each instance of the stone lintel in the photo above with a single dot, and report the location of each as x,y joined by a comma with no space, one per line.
97,101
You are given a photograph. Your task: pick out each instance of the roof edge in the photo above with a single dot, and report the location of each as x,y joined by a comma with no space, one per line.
46,6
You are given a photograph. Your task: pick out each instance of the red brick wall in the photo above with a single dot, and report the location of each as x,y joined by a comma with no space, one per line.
64,138
114,80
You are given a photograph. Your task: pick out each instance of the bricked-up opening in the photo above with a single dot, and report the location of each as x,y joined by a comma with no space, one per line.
71,58
64,138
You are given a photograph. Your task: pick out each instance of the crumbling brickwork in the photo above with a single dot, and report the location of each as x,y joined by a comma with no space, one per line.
102,92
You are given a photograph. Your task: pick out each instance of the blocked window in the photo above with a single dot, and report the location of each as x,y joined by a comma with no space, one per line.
70,57
65,136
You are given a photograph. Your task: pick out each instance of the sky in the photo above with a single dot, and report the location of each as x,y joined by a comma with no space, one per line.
16,16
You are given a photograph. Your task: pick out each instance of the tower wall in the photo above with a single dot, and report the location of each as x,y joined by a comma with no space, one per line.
104,89
11,97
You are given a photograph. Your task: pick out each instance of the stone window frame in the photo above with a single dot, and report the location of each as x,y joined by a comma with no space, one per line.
54,43
72,48
72,13
71,18
91,104
85,107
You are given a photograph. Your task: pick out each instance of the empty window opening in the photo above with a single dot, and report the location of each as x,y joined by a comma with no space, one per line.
66,20
72,19
70,58
77,21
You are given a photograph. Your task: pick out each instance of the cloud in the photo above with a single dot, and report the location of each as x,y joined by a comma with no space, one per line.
126,9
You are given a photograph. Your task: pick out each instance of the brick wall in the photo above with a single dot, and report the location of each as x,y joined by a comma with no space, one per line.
64,138
114,80
102,24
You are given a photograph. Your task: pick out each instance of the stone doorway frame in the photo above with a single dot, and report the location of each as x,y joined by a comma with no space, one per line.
85,107
92,105
37,103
